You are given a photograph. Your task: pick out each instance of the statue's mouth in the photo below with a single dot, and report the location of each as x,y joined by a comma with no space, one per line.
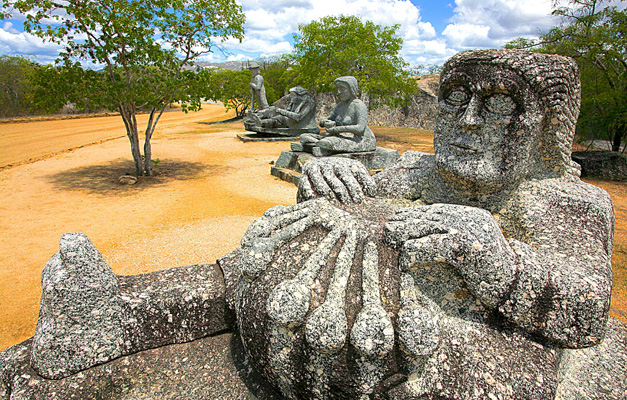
463,149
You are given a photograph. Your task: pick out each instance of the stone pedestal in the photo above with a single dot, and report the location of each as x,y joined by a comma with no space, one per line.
289,165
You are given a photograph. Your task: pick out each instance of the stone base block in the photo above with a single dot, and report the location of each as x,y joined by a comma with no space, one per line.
265,138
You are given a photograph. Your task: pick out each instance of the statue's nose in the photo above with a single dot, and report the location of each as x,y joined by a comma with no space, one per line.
471,118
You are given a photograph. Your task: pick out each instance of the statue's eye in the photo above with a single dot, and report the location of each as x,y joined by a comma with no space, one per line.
500,104
458,96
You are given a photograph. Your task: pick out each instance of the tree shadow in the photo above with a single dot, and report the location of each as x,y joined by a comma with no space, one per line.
103,178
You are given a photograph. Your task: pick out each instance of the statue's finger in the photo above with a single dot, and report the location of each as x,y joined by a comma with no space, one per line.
337,186
353,186
368,184
318,183
399,232
424,252
305,190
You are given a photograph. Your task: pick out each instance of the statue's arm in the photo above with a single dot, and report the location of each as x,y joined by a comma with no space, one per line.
558,286
359,114
297,116
563,286
257,83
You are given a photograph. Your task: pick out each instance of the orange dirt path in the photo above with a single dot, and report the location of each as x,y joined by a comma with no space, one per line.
209,188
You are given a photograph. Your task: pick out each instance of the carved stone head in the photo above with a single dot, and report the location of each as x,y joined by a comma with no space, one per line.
347,87
504,116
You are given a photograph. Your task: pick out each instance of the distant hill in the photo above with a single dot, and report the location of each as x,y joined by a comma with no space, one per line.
232,65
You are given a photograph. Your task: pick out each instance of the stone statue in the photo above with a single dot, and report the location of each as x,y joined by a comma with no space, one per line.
257,89
470,273
297,118
347,128
482,271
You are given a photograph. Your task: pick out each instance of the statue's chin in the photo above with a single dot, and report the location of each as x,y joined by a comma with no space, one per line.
472,180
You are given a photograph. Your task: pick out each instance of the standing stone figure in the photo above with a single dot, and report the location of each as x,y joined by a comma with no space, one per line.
257,89
480,271
347,128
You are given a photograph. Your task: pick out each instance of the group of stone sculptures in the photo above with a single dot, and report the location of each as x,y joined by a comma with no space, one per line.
346,128
482,271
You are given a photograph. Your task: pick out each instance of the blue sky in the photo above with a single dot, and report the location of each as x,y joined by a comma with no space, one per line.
433,30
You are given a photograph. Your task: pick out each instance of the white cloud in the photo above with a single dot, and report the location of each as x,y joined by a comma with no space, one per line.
492,23
13,42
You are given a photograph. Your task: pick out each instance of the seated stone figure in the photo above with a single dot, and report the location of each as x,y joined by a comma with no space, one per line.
297,118
347,128
471,273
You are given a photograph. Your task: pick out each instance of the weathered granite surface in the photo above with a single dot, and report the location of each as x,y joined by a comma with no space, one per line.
347,128
501,255
89,316
297,118
205,369
289,165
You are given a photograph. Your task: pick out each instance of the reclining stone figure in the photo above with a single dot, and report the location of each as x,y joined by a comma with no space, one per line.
470,273
297,118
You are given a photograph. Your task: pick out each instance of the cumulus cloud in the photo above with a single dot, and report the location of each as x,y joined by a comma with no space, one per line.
14,42
271,24
492,23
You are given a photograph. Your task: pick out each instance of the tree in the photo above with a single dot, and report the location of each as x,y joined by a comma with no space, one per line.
345,45
595,35
16,88
144,46
56,86
231,88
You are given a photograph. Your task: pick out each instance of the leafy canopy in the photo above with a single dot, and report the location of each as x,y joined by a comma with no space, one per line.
336,46
595,35
144,45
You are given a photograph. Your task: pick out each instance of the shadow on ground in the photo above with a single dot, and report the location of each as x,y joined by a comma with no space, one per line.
103,178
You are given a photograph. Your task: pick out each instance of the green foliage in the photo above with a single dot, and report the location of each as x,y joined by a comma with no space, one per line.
231,88
16,89
278,78
144,46
56,86
345,45
595,35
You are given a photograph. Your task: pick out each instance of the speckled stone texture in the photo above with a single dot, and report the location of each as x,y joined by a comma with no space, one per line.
81,316
501,255
289,165
336,303
211,368
89,315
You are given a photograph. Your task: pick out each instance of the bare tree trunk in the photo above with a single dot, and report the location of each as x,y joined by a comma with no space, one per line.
617,136
150,128
128,116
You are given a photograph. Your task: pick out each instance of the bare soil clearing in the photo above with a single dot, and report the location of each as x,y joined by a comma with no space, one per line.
209,187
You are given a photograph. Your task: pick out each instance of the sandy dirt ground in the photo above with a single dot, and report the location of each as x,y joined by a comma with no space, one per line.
209,186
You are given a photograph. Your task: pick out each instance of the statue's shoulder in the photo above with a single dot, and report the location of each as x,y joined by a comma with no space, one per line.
566,201
416,160
567,192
